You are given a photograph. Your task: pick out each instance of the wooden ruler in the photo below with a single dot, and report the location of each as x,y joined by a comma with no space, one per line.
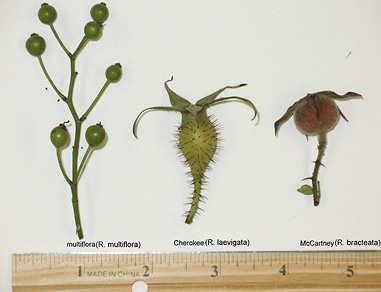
204,271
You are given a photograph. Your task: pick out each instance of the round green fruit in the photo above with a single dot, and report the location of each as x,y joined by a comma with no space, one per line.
93,30
99,12
47,14
114,73
59,136
95,135
35,45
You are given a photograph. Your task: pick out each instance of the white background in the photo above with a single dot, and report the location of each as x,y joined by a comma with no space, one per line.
135,190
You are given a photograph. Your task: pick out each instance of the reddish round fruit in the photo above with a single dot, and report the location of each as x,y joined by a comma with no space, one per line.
313,108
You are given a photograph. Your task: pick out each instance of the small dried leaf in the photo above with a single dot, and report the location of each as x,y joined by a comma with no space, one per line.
305,190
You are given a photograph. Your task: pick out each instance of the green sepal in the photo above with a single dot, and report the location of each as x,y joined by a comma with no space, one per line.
194,110
305,190
163,108
182,105
176,100
210,98
244,100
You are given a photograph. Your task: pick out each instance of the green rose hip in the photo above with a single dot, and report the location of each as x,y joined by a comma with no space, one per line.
114,73
59,136
93,30
99,12
47,14
95,135
35,45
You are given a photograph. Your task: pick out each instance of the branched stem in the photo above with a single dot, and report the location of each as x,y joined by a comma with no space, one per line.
322,139
76,171
63,97
83,162
84,116
73,75
80,47
59,40
62,166
78,126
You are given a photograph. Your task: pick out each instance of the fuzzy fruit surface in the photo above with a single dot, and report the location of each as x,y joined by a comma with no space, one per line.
316,114
197,142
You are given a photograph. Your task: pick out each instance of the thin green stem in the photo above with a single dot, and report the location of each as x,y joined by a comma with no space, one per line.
74,191
63,97
78,126
62,166
322,139
84,116
73,75
59,40
80,47
83,162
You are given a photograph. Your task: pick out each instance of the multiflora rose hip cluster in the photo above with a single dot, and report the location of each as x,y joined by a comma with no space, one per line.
59,136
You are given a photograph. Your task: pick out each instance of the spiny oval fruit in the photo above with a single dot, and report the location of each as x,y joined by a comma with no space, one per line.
198,143
197,136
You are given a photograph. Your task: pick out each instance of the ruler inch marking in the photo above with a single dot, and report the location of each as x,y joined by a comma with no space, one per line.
70,272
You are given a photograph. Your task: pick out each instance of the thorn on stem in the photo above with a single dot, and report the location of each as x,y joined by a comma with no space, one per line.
318,162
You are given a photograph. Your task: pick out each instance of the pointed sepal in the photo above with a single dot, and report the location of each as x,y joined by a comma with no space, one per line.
161,108
176,100
210,98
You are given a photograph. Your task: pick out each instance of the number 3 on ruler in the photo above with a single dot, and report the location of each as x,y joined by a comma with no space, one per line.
215,271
